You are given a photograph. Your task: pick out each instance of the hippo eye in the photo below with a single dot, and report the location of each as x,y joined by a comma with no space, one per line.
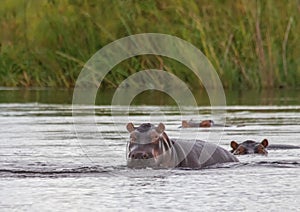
240,150
260,149
132,138
154,137
155,140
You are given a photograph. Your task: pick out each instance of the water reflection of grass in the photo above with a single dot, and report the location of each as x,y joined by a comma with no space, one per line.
104,97
251,44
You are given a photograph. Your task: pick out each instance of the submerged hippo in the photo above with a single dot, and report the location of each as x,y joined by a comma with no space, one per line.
202,124
253,147
191,123
249,147
150,146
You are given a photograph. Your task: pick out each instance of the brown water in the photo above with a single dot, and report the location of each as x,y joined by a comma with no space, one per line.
44,165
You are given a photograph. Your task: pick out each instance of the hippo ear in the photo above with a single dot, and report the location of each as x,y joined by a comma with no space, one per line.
130,127
234,145
265,142
160,128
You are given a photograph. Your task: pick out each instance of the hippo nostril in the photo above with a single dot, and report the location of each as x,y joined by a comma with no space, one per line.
132,156
145,156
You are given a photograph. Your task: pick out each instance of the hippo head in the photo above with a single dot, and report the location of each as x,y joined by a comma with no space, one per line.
249,147
147,145
206,123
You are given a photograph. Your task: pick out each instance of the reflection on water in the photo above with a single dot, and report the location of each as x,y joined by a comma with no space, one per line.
233,97
45,165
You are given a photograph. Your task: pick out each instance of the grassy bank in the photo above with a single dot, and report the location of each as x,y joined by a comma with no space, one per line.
252,44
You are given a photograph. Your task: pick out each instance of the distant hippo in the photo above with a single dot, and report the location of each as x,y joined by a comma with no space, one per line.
249,147
253,147
191,123
201,124
150,146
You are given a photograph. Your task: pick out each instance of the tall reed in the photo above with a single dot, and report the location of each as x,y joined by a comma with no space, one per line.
252,44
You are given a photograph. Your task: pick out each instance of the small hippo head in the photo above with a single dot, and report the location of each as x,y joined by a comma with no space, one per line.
147,144
249,147
204,123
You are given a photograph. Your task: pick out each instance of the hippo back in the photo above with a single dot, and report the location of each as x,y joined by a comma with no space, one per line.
199,154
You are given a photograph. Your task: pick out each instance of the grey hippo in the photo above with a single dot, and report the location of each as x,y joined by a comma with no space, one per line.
150,146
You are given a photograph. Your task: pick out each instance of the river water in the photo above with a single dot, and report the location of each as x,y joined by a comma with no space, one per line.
51,161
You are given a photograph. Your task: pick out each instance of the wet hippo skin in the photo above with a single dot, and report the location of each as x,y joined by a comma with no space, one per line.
150,146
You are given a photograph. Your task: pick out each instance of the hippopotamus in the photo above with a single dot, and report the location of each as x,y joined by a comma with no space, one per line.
249,147
191,123
253,147
150,146
202,124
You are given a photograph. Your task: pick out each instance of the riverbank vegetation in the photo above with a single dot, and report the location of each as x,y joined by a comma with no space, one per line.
251,44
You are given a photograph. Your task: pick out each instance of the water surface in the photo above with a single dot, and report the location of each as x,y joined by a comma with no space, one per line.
44,165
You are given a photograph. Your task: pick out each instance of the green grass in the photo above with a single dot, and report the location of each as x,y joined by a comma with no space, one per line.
252,44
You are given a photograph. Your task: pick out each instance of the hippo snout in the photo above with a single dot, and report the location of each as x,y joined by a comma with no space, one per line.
140,155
